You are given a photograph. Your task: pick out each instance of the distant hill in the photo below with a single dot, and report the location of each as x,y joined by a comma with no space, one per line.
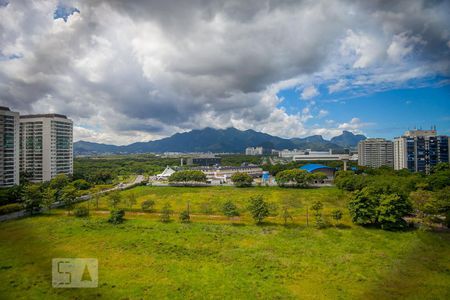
220,140
347,139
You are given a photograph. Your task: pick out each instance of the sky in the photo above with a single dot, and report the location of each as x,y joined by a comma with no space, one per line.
129,71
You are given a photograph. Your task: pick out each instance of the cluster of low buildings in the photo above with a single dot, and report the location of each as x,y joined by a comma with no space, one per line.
39,145
416,150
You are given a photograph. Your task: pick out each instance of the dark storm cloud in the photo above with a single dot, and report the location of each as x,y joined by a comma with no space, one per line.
160,66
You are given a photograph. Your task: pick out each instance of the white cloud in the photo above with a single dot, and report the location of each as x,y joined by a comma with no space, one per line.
338,86
323,113
309,92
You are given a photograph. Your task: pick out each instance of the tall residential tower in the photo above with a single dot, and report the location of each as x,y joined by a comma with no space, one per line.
9,147
46,146
376,153
420,150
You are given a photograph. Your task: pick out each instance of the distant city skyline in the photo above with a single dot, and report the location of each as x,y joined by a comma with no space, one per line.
129,71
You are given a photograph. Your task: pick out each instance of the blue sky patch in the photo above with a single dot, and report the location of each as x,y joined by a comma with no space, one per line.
63,12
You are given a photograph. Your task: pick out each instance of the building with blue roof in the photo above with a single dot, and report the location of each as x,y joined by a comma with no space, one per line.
314,168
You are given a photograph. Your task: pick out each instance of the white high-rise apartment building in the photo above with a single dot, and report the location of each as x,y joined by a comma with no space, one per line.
254,151
9,147
376,153
46,146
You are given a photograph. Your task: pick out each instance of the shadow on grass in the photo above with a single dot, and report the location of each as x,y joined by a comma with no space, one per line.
409,275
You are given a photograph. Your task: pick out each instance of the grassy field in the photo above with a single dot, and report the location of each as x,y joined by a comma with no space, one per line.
215,258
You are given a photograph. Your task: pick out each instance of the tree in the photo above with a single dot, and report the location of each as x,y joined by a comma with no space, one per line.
229,209
421,201
259,209
363,207
81,184
188,176
317,206
95,198
441,204
295,178
48,198
242,179
166,212
185,216
148,205
349,181
391,210
59,181
114,199
286,215
68,196
116,216
131,199
32,198
336,215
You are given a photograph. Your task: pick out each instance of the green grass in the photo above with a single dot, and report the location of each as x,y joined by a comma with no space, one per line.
215,259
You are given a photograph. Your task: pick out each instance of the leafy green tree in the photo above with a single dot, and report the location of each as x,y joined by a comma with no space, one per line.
148,205
242,179
48,198
81,184
336,215
166,213
188,176
116,216
32,198
229,209
259,209
114,199
131,199
440,177
295,178
349,181
421,201
363,207
317,206
68,196
391,212
441,204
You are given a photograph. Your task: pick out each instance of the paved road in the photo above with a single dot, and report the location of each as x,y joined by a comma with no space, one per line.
121,186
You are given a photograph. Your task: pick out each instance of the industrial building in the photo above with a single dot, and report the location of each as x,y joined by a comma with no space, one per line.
205,160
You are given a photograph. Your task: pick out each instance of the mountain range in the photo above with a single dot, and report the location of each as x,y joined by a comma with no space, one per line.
221,140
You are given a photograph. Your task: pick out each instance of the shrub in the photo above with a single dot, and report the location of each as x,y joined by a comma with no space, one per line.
337,215
259,209
148,205
166,212
241,179
116,216
9,208
229,209
185,217
81,211
317,206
